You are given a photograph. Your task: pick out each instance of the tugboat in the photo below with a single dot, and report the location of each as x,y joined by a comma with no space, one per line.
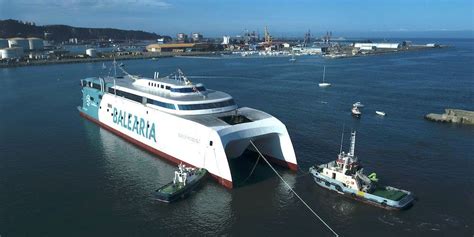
186,179
346,176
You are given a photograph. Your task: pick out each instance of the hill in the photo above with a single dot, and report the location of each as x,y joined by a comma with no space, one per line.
14,28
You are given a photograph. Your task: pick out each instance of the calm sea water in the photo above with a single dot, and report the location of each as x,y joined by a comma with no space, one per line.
61,175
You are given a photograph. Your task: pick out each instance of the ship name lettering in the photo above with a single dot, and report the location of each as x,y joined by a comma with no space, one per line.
135,124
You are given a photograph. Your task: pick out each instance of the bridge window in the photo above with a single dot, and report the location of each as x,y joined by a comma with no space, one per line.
127,95
188,89
207,106
161,104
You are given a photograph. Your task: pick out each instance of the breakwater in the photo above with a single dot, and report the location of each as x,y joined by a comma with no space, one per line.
453,116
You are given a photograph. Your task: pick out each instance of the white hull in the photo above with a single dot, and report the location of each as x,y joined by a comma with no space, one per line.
193,140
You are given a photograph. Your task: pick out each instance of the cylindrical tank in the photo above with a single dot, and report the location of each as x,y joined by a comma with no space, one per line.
3,43
35,43
19,42
10,53
91,52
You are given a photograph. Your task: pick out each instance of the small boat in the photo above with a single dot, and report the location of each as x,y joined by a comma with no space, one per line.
346,177
292,59
381,113
358,104
324,84
355,111
186,179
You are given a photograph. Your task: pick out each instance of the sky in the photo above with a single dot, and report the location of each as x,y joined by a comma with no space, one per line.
223,17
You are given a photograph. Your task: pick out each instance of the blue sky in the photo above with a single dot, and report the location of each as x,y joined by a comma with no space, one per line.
218,17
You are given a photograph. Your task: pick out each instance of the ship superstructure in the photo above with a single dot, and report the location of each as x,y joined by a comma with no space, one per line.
184,122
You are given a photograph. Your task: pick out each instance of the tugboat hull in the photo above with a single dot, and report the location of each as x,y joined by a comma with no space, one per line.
404,199
172,192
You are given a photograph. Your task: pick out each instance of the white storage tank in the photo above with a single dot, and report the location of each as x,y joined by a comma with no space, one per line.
11,53
35,43
3,43
19,42
91,53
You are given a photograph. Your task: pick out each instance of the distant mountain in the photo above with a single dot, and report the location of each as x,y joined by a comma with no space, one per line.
14,28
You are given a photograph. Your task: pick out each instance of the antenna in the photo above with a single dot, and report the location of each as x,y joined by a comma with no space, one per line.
353,141
342,138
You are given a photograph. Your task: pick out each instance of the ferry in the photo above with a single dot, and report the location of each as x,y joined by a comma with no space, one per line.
346,176
184,122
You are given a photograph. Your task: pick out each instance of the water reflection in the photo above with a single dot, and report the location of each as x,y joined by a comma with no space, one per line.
135,174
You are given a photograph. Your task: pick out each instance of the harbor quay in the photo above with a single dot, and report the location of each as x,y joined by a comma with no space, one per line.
109,57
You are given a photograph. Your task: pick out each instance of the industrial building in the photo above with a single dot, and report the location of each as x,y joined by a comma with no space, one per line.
226,40
182,38
372,46
197,37
91,53
163,40
179,47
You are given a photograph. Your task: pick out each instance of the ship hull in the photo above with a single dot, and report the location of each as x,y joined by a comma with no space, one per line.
169,158
368,198
180,139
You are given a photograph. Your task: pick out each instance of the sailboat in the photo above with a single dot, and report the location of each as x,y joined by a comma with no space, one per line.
324,84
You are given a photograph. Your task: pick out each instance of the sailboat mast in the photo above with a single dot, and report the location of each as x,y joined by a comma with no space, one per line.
324,73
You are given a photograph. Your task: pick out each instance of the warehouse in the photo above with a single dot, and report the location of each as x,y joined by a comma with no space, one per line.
377,45
180,47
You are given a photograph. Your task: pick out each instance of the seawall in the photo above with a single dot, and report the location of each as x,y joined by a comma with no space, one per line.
453,116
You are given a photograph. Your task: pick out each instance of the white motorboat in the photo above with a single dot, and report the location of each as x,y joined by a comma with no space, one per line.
355,111
381,113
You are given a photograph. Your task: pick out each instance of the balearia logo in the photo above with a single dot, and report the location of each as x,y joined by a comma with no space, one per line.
135,124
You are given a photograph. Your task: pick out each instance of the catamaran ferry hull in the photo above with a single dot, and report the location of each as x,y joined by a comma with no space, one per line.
204,141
